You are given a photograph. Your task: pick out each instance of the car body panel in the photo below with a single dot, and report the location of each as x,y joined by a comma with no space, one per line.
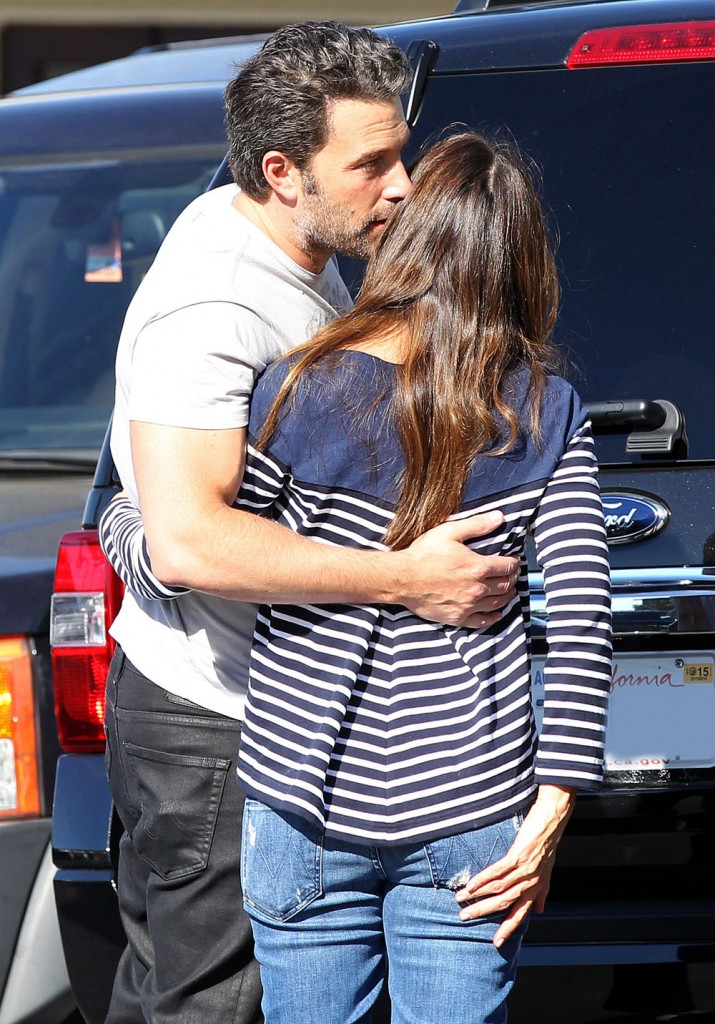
38,983
22,847
175,65
49,446
534,37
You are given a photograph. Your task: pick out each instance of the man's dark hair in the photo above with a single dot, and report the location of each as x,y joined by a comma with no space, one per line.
280,99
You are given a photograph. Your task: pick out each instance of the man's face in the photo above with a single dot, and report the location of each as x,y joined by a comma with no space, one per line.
354,181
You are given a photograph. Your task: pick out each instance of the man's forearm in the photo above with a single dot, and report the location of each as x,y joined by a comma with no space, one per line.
246,558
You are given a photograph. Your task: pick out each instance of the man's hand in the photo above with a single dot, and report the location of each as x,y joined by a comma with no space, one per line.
447,582
521,879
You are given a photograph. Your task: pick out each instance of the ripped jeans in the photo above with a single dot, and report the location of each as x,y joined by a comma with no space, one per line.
328,915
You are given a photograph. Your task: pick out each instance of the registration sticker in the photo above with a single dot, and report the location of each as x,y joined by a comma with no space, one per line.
698,671
661,711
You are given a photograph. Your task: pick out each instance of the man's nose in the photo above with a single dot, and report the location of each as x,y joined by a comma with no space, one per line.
398,184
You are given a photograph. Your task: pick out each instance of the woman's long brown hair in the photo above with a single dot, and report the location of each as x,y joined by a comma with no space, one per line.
465,271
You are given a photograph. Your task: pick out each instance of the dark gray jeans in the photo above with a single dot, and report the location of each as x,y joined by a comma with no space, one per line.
171,767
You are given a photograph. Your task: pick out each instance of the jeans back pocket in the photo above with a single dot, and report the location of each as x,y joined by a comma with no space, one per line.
179,799
455,859
281,862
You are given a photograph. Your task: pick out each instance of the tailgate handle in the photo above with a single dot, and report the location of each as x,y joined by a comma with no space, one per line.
655,427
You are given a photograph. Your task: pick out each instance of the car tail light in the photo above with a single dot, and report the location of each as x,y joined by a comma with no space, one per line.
19,789
86,599
644,44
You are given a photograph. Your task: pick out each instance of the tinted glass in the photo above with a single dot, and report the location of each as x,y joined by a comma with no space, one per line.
76,238
627,157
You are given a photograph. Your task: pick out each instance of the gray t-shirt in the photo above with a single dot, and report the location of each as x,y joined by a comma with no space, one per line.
220,302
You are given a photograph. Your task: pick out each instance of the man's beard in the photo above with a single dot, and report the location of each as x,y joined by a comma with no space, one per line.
326,227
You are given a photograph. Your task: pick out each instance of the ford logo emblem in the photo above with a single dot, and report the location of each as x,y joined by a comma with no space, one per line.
632,516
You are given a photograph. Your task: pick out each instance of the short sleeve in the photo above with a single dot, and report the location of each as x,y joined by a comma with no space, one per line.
196,366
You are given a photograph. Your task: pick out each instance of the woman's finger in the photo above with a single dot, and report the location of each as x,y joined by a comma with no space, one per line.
512,922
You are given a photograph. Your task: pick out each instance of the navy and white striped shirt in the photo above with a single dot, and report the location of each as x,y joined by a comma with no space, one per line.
380,726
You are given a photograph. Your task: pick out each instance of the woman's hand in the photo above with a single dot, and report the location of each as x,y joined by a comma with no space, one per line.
520,880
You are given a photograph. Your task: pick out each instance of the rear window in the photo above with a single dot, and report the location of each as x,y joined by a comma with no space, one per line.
76,237
626,156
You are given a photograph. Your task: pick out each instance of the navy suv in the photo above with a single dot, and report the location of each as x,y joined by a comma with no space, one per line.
610,99
92,173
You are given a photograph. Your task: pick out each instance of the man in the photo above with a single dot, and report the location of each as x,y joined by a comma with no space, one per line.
316,133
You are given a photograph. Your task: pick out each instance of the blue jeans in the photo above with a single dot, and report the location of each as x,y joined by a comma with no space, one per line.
171,766
328,915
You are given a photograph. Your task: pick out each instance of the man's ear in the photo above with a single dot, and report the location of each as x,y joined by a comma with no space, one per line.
282,175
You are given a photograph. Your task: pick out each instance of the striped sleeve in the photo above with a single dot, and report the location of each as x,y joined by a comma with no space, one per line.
571,548
263,481
121,535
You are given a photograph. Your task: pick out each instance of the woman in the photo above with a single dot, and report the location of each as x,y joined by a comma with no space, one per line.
400,804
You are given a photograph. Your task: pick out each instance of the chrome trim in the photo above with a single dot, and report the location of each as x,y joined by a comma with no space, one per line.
650,601
675,576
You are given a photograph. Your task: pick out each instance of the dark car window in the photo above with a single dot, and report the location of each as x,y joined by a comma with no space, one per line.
627,156
76,238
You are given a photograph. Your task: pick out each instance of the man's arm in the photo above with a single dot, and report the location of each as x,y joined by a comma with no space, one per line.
187,481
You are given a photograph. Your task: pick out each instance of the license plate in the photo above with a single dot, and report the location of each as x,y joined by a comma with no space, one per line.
661,711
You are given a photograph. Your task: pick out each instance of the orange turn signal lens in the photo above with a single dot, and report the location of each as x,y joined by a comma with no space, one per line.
19,783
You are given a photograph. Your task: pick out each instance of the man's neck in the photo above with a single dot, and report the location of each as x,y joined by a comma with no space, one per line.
276,223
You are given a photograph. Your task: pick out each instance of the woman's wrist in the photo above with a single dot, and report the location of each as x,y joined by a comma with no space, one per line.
556,802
